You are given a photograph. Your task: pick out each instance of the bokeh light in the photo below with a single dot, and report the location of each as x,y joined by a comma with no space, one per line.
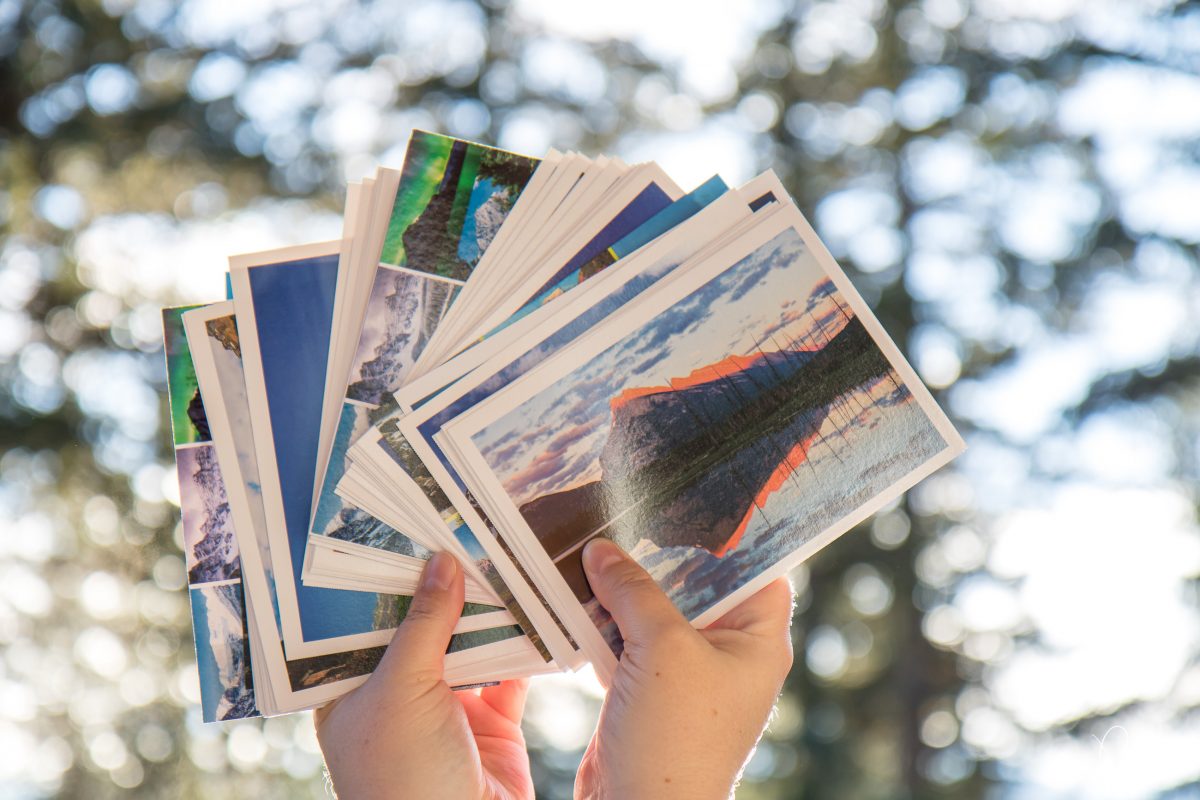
1011,184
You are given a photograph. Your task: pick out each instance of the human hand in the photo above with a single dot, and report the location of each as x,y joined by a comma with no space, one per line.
686,707
405,734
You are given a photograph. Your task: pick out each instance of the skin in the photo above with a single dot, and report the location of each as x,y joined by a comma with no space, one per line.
686,707
405,734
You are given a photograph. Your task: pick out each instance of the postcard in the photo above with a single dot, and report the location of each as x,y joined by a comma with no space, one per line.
613,241
223,655
218,363
283,301
721,428
641,198
211,554
217,359
527,344
451,200
298,683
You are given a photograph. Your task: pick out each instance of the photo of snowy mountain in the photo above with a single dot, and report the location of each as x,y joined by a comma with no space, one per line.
402,313
339,520
210,548
222,652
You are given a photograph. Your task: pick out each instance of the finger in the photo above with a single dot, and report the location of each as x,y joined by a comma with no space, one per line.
419,646
320,713
588,775
759,628
641,610
764,613
508,698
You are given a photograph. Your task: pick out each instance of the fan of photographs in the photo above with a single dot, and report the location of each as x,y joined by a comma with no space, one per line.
504,358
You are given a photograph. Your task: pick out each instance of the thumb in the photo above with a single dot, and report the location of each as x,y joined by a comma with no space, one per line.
641,610
419,646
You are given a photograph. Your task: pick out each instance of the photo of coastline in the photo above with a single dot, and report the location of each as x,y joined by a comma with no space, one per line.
716,438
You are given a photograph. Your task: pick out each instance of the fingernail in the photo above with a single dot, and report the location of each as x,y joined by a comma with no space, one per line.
599,554
439,572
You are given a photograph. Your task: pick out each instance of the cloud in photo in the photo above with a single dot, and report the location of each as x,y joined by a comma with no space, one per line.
759,296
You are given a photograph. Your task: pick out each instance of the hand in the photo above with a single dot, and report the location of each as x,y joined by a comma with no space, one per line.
686,707
405,734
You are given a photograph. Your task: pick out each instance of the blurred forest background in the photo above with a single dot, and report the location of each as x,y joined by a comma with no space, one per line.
1013,184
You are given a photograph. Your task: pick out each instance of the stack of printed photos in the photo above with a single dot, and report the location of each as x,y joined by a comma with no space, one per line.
505,358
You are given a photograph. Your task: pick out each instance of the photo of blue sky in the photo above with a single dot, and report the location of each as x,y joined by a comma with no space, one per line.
293,303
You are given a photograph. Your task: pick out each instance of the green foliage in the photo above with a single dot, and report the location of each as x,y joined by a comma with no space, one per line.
505,169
